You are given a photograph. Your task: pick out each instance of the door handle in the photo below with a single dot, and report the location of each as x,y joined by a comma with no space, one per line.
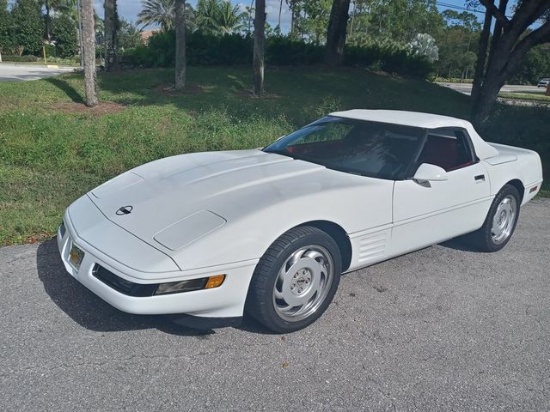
479,178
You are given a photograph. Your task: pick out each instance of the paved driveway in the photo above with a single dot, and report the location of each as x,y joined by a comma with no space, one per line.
442,329
10,72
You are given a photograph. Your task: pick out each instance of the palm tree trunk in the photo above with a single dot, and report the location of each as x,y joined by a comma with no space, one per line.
111,24
88,51
180,45
336,33
250,19
280,11
48,18
259,48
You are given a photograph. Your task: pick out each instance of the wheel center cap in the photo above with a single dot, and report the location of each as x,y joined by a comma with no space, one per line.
301,282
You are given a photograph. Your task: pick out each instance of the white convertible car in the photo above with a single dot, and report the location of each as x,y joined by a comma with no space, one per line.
268,232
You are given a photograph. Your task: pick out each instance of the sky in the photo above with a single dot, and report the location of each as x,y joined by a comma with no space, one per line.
129,9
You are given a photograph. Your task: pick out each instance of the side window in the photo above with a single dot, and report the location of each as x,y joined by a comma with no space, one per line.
447,148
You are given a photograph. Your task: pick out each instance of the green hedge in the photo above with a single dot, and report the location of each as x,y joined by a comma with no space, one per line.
209,50
20,59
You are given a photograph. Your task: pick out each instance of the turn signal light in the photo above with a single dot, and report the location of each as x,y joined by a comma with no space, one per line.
190,285
214,281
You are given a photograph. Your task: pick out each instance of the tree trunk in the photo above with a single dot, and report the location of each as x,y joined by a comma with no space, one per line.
336,33
352,18
497,31
486,98
88,51
110,42
295,33
48,19
250,19
180,45
514,38
259,48
482,55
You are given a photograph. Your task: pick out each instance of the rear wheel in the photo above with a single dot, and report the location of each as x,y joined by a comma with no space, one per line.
500,222
295,280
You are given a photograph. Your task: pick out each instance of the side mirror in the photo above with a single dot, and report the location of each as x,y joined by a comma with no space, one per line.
430,173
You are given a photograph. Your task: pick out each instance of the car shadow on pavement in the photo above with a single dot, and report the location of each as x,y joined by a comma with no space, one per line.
90,311
462,243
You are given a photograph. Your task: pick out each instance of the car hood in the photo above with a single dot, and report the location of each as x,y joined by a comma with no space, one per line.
174,202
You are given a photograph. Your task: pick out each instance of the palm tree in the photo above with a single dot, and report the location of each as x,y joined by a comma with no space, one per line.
161,12
219,16
259,48
111,23
180,45
230,18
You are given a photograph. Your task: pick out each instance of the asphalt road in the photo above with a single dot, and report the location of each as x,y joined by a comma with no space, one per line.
442,329
466,88
10,72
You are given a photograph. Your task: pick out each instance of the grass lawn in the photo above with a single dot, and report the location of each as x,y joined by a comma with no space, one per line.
53,150
537,96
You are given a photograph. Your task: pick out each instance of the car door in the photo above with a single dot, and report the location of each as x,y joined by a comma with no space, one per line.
428,212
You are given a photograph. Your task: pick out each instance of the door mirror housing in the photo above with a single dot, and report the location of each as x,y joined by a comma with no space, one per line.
430,173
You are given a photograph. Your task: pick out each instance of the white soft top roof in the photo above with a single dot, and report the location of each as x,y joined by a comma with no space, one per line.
424,120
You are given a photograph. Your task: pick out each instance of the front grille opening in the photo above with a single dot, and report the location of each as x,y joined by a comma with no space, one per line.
122,285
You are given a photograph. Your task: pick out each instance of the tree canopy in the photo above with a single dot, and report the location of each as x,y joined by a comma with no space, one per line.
5,38
26,28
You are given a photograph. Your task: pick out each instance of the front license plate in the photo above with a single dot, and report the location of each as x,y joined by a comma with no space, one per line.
75,257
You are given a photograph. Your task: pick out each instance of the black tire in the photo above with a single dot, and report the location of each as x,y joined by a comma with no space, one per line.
500,222
295,280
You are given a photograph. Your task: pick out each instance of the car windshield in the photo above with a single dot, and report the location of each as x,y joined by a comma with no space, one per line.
379,150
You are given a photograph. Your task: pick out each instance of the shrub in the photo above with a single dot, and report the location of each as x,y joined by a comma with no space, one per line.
20,59
206,49
390,58
284,51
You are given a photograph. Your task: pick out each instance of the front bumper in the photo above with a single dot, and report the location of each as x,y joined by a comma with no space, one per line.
226,301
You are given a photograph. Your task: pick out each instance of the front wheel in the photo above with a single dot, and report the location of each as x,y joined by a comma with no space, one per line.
295,280
500,222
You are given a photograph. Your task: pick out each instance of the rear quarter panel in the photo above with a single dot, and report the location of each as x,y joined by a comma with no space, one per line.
514,163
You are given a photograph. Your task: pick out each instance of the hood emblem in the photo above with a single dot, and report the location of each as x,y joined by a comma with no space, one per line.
124,210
